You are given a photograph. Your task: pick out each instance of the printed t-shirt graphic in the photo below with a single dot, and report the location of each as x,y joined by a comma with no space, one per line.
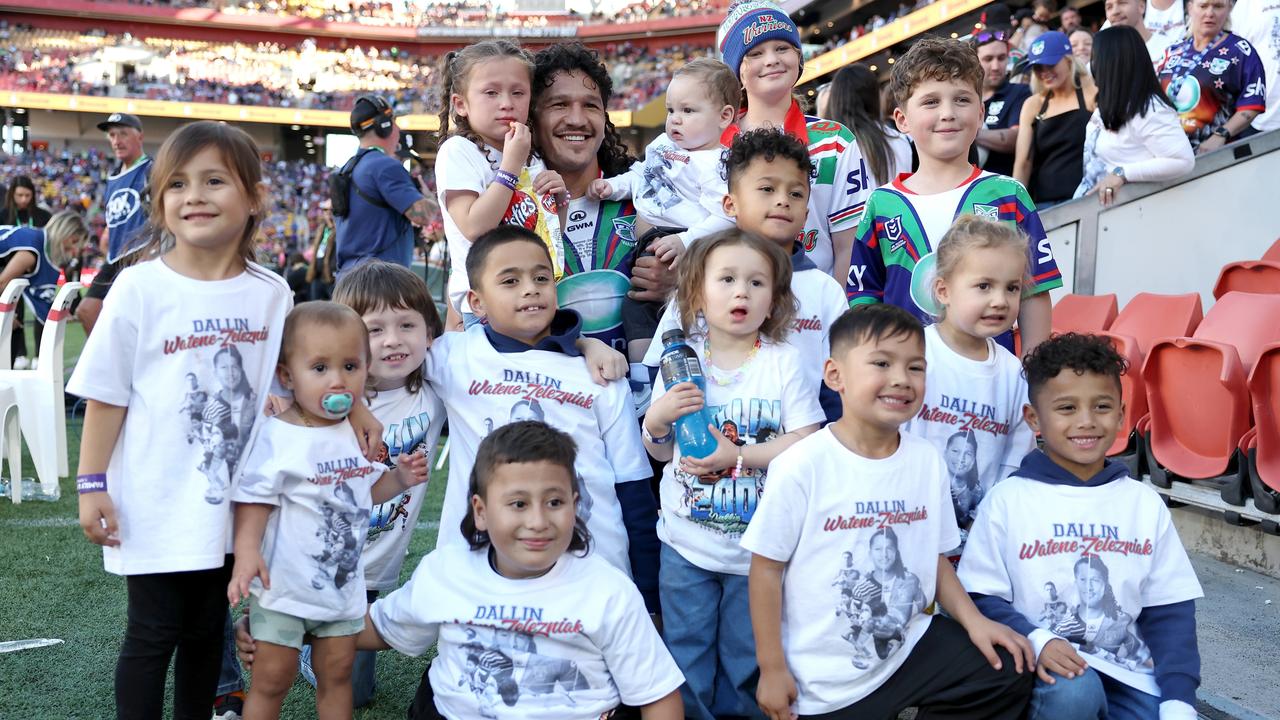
893,259
569,645
412,424
191,360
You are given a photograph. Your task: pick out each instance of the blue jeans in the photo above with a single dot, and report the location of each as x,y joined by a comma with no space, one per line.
706,624
1092,696
231,677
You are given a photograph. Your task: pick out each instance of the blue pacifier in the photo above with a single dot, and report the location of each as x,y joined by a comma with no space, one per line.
337,405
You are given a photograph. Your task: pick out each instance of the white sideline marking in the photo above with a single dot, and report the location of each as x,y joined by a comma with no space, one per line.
75,522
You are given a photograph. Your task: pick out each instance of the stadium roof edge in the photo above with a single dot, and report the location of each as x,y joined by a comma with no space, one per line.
228,113
904,28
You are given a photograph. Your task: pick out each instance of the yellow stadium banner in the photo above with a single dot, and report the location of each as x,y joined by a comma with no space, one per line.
886,37
226,113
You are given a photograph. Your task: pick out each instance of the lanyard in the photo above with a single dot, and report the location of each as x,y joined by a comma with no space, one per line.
1176,82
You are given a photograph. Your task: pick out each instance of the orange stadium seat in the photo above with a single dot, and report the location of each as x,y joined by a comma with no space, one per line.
1260,276
1084,313
1149,317
1133,391
1196,386
1264,387
1273,253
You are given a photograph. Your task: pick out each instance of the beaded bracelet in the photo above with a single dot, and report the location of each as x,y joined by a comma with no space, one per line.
91,483
506,179
737,469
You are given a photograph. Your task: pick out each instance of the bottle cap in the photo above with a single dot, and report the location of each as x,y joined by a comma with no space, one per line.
671,336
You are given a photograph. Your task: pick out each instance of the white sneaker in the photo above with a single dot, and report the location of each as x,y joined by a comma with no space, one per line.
22,363
35,363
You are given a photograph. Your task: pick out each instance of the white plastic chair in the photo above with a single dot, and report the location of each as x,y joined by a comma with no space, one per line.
9,300
41,402
12,442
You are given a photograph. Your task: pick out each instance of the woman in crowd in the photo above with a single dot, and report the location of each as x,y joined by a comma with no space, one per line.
854,102
1048,159
1134,135
38,254
20,206
1214,78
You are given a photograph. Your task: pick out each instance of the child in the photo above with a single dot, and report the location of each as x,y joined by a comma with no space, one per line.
481,165
768,172
679,188
530,625
153,468
761,44
938,88
862,486
1119,638
974,391
734,296
308,492
402,321
528,351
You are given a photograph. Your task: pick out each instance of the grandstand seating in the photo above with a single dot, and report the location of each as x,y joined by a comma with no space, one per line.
1260,276
1084,313
1194,433
1264,454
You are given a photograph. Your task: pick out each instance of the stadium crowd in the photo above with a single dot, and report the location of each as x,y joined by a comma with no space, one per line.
272,74
453,13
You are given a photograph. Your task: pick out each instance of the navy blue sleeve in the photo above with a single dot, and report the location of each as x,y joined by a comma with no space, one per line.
1170,633
640,518
1002,611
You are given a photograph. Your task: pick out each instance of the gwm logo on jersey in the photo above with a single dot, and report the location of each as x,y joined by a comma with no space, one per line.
766,23
122,205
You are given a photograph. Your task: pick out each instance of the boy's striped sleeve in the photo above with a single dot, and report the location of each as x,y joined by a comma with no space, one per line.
865,283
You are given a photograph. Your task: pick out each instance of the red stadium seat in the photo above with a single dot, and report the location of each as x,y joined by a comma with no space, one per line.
1261,276
1084,313
1133,392
1273,253
1149,317
1196,387
1264,387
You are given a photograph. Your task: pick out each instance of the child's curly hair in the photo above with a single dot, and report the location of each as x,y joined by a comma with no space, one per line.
1071,351
935,58
769,144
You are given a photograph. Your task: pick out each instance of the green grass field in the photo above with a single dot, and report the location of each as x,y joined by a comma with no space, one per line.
52,585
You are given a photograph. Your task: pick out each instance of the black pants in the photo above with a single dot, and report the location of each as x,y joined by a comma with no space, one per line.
182,611
946,677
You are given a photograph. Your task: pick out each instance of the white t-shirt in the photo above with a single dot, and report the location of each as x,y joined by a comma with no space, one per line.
460,165
1151,147
821,302
1169,25
972,413
411,424
319,482
570,645
702,518
1258,21
1040,546
853,607
193,361
485,389
673,187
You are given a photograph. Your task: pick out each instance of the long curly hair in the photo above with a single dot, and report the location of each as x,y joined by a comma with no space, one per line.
456,70
613,156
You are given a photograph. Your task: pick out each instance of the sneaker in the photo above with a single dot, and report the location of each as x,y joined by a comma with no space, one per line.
22,363
35,363
229,706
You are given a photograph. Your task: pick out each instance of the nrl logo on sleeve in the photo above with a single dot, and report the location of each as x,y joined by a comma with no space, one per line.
767,23
990,212
893,231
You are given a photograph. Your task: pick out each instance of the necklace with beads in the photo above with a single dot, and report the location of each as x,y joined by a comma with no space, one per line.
714,375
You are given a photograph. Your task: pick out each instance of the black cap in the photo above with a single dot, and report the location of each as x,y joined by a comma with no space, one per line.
672,335
121,119
996,16
372,112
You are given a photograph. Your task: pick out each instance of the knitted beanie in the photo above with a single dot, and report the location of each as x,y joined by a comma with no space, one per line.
748,23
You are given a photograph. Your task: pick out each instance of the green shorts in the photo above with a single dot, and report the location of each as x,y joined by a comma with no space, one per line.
281,629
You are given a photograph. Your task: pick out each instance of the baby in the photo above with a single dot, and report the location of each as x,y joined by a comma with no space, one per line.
679,189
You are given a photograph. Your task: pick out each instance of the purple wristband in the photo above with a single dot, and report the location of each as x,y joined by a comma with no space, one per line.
94,482
506,179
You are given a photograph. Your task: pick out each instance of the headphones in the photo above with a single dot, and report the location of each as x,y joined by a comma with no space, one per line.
380,122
